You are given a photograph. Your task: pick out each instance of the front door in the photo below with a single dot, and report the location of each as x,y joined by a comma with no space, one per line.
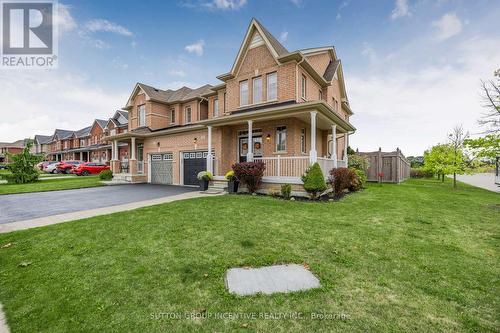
243,147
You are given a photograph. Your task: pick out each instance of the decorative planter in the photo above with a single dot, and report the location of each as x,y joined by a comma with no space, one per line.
203,184
232,186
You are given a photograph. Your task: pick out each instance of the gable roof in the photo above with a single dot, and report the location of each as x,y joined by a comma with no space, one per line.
61,134
42,139
15,144
101,122
83,132
119,114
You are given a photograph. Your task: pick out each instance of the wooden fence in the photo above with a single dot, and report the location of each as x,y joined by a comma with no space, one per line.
388,167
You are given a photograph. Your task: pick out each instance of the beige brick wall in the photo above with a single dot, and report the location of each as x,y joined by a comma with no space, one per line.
319,62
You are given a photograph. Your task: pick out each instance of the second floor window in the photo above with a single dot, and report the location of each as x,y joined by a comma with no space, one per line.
141,113
224,102
320,95
272,87
335,104
172,116
216,107
82,143
187,115
281,138
243,93
303,83
257,90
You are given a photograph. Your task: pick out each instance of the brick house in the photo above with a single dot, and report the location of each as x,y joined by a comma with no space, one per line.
7,148
287,109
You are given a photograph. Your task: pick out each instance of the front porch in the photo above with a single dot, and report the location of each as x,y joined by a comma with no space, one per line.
128,169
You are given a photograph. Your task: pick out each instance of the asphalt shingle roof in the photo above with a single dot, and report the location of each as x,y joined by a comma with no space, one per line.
172,96
43,139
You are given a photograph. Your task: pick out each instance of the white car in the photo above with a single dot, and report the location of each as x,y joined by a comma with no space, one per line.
51,167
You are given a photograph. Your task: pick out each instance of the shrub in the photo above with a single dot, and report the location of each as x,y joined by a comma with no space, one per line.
106,175
250,174
230,175
420,173
23,166
361,177
205,175
358,162
313,180
286,191
342,179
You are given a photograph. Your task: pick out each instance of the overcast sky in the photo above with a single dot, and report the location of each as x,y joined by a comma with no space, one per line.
412,67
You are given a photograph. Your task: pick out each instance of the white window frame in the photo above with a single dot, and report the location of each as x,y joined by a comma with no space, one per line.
242,101
280,131
141,115
274,92
257,91
303,86
320,95
172,116
216,107
188,111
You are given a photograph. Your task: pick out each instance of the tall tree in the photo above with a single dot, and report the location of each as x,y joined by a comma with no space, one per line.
438,160
491,102
488,146
459,160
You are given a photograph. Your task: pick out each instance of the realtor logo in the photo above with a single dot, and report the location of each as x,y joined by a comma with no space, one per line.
28,34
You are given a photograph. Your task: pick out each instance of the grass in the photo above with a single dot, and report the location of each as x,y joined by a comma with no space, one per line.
415,257
51,185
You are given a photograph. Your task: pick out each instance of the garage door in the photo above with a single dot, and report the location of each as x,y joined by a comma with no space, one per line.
194,162
161,168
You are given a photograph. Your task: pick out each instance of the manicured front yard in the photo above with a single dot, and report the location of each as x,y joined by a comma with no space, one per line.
51,185
416,257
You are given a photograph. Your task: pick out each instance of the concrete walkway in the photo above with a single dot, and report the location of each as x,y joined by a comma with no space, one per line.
54,219
3,322
482,180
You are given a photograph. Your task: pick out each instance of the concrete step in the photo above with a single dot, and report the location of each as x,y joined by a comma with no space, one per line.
213,191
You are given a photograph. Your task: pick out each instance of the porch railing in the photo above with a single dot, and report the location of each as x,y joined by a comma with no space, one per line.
284,166
326,164
124,167
140,167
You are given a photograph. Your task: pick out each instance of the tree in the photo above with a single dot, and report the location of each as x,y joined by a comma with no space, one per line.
488,146
491,102
438,160
459,159
314,181
416,161
23,166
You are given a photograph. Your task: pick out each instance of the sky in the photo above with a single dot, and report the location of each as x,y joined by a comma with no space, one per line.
412,67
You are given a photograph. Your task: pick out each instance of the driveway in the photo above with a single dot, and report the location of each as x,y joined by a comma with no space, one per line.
483,180
26,206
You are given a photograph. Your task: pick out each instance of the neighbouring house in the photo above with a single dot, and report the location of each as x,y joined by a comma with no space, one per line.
41,144
11,148
287,109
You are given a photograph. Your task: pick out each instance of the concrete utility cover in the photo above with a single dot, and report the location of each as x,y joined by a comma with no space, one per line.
271,279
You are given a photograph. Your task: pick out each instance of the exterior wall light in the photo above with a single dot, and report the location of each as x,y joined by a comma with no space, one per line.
268,138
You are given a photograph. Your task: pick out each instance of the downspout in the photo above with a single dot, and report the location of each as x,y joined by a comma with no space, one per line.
297,78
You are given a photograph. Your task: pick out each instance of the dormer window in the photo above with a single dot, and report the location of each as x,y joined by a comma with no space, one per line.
243,93
141,113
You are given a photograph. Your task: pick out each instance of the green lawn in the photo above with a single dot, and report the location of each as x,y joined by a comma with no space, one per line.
416,257
51,185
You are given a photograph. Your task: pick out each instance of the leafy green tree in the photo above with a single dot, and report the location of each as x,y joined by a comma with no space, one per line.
438,160
460,161
488,146
23,166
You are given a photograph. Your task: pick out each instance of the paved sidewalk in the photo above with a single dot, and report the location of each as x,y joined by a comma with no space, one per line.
54,219
3,322
482,180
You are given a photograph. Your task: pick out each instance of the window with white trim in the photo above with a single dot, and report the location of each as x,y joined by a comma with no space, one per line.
172,116
281,138
141,113
320,95
335,104
216,107
257,90
244,93
272,86
187,115
303,140
303,83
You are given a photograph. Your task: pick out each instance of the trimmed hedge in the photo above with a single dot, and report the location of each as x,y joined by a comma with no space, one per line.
106,175
313,180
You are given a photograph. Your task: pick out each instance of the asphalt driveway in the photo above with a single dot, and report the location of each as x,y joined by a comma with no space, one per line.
26,206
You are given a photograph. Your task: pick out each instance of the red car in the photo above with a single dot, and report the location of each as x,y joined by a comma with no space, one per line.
67,166
89,168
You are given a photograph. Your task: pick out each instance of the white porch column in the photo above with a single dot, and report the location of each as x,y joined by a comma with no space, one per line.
313,154
250,141
132,148
107,155
209,155
334,145
346,136
81,156
114,150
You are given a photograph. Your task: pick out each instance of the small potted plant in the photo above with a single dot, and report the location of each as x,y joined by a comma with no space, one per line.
204,177
232,185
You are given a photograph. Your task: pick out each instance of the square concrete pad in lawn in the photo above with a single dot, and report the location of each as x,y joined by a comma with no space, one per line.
271,279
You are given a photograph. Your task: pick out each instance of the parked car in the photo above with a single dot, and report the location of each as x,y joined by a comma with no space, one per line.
43,165
51,167
67,166
89,168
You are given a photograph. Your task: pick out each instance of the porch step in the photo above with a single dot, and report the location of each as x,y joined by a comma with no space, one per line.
214,191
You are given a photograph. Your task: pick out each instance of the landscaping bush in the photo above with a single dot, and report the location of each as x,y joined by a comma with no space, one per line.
420,173
361,178
286,191
23,166
342,179
358,162
313,180
249,174
106,175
